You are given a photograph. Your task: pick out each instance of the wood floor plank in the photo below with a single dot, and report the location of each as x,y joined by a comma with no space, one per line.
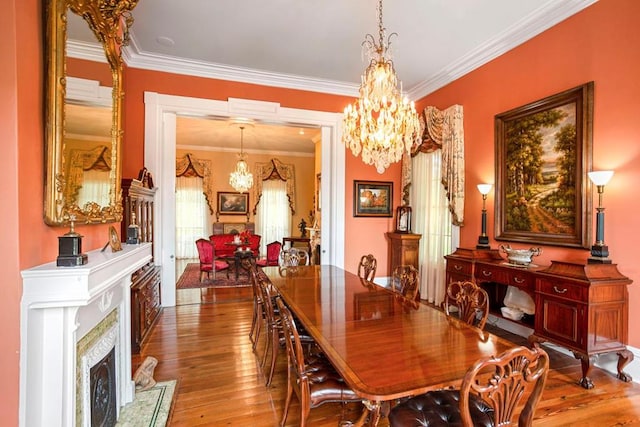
205,346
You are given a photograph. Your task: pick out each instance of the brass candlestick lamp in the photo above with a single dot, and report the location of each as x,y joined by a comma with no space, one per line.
483,239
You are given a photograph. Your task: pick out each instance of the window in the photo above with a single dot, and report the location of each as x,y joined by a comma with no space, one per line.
191,216
273,219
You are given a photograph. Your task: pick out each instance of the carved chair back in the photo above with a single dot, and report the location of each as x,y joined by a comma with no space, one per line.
367,267
470,300
405,281
490,393
293,257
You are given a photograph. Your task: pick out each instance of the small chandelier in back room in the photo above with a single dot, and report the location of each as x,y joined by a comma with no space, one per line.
380,122
241,179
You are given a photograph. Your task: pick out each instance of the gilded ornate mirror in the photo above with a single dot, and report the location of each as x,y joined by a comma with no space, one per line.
83,116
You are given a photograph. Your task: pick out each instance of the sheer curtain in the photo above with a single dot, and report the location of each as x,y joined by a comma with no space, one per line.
191,216
95,187
432,219
273,219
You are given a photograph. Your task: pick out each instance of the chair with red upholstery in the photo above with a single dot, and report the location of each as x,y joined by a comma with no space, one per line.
208,263
273,255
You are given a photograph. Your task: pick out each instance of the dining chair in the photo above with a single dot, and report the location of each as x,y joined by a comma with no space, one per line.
293,257
208,263
471,303
313,379
490,394
273,255
273,326
367,267
258,305
405,281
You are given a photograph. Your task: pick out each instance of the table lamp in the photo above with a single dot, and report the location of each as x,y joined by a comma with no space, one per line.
600,251
483,239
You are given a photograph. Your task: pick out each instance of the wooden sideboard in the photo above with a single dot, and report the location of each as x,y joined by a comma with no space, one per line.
145,283
404,249
582,307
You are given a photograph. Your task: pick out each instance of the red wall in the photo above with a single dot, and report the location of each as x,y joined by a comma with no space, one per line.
600,44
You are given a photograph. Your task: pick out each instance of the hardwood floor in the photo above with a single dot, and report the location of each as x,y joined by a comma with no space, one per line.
204,344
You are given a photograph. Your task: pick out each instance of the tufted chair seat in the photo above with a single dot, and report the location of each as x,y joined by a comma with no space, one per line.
490,394
439,408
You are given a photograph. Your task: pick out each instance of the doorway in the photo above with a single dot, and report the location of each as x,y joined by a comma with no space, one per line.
160,157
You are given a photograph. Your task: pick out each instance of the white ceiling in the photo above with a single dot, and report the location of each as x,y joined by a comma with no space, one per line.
316,45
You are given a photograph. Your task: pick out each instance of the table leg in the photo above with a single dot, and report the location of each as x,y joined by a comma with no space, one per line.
371,412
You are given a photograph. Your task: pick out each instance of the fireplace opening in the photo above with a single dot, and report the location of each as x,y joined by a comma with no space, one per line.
103,391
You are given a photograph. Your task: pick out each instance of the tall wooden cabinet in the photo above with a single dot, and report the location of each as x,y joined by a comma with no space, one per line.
404,249
145,286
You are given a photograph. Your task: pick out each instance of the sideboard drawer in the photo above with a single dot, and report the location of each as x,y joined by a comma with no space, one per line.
521,279
562,289
459,266
491,273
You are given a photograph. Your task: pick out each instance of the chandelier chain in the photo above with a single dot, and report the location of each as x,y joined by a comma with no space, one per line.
380,123
241,179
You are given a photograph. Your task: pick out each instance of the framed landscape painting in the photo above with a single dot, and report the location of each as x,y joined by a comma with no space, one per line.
233,203
543,154
372,198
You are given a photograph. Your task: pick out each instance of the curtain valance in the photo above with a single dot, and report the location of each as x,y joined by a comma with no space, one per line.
443,130
190,166
275,169
97,159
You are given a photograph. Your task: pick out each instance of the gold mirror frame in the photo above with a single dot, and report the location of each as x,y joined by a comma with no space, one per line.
110,21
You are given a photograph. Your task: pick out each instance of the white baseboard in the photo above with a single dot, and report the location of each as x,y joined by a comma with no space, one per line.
607,361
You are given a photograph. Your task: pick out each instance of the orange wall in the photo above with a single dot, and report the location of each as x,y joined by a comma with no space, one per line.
599,44
362,235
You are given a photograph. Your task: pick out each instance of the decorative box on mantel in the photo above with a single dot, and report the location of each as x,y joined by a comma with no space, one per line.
67,317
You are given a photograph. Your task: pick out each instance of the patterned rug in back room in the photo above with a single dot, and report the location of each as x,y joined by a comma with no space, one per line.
190,278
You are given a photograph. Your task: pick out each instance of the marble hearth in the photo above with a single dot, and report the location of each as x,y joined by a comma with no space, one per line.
62,309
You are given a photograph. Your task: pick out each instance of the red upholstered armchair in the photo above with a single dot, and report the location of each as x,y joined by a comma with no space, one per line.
207,262
273,255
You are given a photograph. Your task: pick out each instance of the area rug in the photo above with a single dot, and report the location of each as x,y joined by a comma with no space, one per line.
150,408
190,278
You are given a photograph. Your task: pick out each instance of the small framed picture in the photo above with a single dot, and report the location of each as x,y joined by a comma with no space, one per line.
233,203
114,239
372,198
403,219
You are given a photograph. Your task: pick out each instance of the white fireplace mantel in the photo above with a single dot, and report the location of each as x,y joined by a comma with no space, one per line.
59,306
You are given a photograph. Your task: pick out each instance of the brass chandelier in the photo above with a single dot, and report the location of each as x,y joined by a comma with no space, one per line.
380,123
241,179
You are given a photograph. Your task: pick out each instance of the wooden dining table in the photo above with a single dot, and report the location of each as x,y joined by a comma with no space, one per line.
384,346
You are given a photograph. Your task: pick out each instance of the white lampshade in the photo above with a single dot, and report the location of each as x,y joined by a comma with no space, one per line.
484,188
600,177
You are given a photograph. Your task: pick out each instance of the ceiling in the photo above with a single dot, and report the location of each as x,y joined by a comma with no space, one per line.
316,45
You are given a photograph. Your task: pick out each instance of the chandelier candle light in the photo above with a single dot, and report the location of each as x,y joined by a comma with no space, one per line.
380,123
241,179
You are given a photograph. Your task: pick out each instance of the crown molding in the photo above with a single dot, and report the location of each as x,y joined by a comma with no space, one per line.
549,14
86,50
543,18
235,150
